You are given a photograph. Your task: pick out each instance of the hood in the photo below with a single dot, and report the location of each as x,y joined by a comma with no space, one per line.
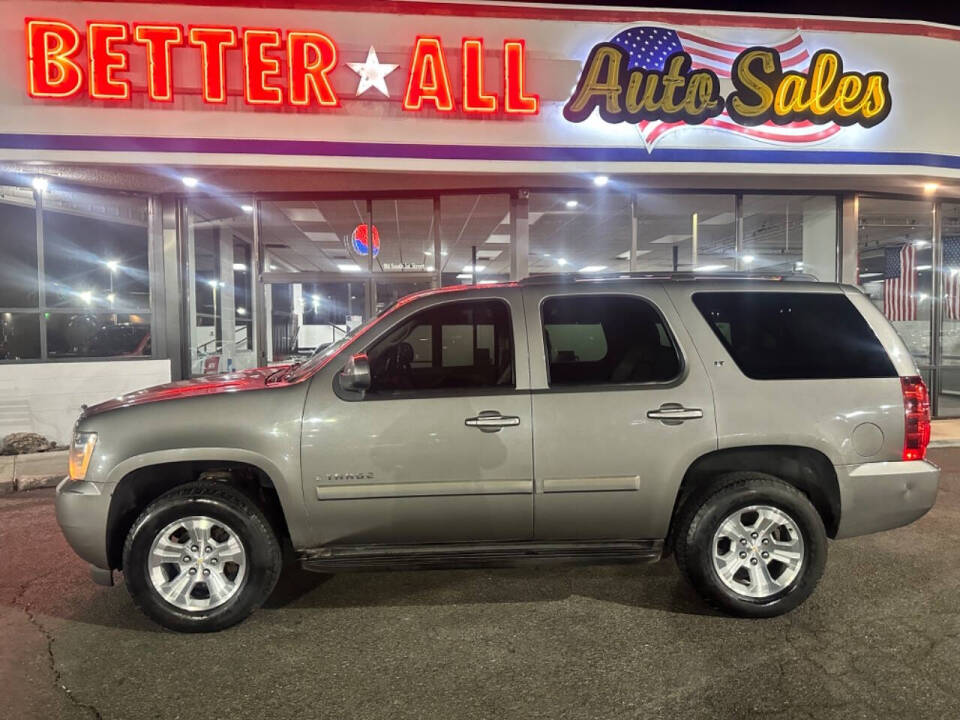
254,379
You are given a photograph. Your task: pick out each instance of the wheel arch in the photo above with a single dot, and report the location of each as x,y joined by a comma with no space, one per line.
144,480
807,469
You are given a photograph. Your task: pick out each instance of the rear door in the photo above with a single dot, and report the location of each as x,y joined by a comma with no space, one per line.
621,407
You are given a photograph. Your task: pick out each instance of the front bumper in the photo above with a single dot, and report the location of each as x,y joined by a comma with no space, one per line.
885,495
82,510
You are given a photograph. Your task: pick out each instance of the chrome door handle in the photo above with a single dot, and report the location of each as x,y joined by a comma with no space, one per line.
672,413
492,421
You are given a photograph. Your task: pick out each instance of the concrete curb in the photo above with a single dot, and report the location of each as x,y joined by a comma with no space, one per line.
32,471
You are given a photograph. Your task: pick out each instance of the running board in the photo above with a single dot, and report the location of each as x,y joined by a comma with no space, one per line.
471,555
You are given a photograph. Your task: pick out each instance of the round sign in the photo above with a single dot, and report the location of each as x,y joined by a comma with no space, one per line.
361,244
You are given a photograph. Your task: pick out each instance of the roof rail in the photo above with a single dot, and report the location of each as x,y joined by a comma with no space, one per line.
665,275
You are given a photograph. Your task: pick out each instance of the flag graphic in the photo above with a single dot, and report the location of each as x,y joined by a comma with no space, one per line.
650,47
900,282
951,276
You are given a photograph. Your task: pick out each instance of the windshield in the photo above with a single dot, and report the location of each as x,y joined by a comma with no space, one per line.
322,354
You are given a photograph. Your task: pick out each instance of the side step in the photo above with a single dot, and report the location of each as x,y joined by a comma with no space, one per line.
453,555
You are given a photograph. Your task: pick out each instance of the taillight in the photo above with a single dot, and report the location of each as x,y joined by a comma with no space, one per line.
916,413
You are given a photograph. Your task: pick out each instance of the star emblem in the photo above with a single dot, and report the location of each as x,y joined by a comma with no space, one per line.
372,73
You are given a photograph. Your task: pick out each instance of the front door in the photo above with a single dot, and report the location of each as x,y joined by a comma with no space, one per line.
621,407
440,448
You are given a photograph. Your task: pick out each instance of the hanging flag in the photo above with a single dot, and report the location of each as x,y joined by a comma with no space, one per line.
951,276
900,282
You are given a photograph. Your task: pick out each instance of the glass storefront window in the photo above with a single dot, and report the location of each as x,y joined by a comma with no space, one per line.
949,396
18,249
685,232
480,221
302,317
579,232
895,266
19,336
87,335
220,277
790,233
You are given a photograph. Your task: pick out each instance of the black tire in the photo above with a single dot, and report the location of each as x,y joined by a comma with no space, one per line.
220,502
702,515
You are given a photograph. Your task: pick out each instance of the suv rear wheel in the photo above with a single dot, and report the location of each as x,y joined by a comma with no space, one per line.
753,545
201,558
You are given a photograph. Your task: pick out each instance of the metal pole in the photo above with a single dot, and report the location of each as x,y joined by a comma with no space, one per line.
936,310
738,241
634,230
694,239
473,264
41,275
371,283
437,257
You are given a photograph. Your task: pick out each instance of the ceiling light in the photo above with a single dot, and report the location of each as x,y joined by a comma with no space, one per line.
316,299
430,268
247,208
710,268
464,276
40,184
748,259
190,182
111,297
212,283
239,267
924,267
870,275
87,297
443,252
920,243
931,187
486,282
271,267
593,268
428,252
114,265
348,267
241,311
571,204
470,268
600,180
561,261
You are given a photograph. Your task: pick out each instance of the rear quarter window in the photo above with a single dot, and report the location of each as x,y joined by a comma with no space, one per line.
794,336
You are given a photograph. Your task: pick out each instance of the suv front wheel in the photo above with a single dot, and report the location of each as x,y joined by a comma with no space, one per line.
753,545
201,558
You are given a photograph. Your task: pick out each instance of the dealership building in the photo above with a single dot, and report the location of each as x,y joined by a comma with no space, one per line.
188,189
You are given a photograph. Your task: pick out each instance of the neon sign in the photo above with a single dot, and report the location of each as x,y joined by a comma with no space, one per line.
291,68
661,79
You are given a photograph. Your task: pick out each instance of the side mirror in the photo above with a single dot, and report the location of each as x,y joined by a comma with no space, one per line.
355,375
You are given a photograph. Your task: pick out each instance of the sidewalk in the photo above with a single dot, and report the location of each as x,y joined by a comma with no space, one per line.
945,433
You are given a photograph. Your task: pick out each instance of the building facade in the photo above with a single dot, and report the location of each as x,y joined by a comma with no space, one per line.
196,188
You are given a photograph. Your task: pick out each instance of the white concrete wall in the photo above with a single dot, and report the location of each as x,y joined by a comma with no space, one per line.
46,397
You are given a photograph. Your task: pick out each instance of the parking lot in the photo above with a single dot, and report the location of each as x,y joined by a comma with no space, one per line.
879,638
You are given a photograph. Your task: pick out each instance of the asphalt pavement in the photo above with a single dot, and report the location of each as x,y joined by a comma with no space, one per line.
879,638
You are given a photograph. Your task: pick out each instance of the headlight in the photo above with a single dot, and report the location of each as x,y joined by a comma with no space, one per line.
81,450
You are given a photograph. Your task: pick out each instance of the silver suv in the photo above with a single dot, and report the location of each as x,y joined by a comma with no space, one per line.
736,423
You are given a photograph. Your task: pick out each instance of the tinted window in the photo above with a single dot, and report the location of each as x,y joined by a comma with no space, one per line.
781,336
456,345
596,339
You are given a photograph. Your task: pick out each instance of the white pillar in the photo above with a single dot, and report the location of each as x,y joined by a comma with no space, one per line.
819,217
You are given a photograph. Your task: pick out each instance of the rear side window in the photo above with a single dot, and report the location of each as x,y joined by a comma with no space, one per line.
606,340
794,336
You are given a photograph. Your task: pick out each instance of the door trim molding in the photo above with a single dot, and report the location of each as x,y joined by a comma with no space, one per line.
591,484
372,491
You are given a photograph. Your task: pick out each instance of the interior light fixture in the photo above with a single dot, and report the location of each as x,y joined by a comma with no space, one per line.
247,208
40,184
348,267
190,182
239,267
600,180
748,259
113,265
710,268
571,204
561,261
593,268
930,187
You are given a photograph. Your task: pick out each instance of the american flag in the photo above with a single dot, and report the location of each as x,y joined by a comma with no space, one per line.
650,47
900,282
951,275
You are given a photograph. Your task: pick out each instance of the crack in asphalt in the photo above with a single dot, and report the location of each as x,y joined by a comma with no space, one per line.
48,636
